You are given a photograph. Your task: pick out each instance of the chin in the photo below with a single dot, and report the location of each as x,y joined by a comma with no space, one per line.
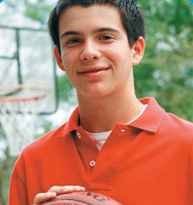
95,91
97,94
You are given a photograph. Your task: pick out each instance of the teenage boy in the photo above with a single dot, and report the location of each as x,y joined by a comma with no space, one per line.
114,144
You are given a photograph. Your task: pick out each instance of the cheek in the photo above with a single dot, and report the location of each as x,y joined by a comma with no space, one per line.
122,62
69,59
118,54
112,56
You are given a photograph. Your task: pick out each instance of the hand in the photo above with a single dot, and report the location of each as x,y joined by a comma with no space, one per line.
54,191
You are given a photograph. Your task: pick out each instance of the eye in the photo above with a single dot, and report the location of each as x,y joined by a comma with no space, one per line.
106,38
73,41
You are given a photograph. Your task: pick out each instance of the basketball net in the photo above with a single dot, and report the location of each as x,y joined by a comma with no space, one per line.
19,116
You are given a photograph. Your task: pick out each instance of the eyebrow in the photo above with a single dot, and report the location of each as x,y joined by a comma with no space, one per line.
68,33
105,29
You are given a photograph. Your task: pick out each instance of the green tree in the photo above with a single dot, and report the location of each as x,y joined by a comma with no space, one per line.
166,71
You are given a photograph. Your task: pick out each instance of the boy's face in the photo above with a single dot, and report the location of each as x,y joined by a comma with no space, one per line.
95,51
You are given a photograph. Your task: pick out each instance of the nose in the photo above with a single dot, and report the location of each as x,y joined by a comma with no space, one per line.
90,51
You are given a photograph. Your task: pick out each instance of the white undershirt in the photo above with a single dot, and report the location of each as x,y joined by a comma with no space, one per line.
100,138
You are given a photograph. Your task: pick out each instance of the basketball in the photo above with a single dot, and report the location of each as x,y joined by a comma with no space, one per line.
81,198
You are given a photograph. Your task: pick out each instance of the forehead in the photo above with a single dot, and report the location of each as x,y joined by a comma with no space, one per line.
84,18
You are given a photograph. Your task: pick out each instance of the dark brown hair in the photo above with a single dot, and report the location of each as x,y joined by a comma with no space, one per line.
130,11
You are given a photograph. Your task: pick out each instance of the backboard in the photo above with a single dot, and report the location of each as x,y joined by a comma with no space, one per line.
26,57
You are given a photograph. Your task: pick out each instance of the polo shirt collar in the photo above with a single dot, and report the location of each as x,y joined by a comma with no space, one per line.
72,123
150,120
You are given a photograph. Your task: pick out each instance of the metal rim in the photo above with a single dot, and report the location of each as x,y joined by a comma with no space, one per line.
11,98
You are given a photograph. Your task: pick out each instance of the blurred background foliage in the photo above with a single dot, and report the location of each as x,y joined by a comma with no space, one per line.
166,72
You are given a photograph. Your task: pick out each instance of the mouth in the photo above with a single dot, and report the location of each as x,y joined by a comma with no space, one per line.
93,72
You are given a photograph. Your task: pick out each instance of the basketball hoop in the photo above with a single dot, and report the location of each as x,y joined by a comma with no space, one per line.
19,107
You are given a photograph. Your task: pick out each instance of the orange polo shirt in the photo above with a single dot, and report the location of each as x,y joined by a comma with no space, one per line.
148,162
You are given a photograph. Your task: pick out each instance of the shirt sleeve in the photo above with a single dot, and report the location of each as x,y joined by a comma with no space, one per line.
17,190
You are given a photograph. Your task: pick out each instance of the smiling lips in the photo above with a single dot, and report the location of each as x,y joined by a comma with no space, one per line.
93,72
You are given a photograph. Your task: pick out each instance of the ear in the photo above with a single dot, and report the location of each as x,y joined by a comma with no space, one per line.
58,58
138,51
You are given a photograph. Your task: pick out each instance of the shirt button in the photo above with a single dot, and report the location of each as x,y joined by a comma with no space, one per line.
123,130
92,163
78,134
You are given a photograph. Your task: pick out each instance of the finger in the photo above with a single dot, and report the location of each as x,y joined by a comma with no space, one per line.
66,189
41,197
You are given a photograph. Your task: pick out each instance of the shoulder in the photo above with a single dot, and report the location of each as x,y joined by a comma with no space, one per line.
41,150
50,137
178,123
42,145
178,128
52,144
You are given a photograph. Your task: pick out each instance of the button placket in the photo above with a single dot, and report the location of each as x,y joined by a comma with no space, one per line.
92,163
88,153
78,134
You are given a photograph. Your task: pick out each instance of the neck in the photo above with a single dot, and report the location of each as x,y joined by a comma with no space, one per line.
100,115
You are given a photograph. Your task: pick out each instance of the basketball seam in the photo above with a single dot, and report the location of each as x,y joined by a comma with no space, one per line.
77,200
